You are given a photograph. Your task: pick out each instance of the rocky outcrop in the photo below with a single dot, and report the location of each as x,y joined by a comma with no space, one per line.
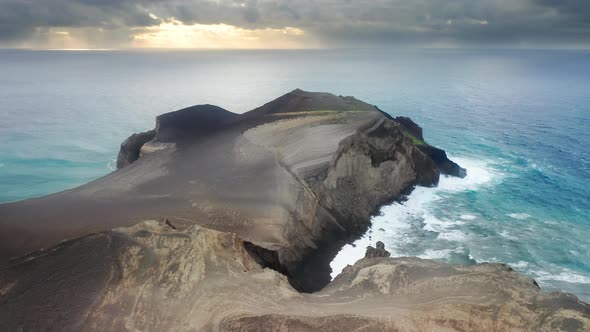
154,277
441,160
343,176
439,156
131,147
191,122
175,127
409,125
299,102
379,251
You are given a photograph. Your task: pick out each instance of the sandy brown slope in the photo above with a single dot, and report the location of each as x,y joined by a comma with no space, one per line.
152,277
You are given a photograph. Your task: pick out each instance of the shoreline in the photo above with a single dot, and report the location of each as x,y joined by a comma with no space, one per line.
409,227
387,227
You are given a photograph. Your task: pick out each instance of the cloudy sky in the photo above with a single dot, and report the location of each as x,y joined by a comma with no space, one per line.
49,24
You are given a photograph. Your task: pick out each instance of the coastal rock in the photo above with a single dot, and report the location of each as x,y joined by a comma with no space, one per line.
131,147
413,128
379,251
439,156
446,166
154,277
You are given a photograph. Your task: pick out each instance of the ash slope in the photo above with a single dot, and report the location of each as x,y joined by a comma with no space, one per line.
299,175
164,277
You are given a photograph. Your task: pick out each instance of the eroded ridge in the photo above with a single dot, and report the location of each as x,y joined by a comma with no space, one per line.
152,277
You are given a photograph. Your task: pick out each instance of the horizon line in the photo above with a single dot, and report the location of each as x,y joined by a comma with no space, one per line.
149,49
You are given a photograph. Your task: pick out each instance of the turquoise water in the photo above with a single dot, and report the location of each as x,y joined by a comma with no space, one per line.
517,120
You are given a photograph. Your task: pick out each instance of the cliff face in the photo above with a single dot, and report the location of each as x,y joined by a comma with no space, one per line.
336,167
181,126
159,276
131,148
438,156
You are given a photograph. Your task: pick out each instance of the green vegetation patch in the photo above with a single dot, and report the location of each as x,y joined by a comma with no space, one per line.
414,139
318,112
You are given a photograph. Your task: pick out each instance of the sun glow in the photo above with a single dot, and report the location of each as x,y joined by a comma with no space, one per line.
176,34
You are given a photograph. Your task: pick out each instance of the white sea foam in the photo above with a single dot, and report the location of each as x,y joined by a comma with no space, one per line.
112,164
436,254
566,276
520,265
453,235
392,220
519,216
396,219
471,257
478,173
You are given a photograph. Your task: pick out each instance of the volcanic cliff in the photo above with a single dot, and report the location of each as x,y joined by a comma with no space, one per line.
228,221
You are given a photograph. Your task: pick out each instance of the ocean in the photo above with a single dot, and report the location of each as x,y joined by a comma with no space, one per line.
517,120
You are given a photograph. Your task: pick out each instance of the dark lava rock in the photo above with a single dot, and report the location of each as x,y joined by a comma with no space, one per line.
410,126
439,156
179,126
131,147
191,122
377,252
445,165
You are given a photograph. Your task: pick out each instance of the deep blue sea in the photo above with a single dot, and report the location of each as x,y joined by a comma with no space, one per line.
518,120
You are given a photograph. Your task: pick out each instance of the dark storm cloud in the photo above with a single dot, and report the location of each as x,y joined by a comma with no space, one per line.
501,22
20,18
333,22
